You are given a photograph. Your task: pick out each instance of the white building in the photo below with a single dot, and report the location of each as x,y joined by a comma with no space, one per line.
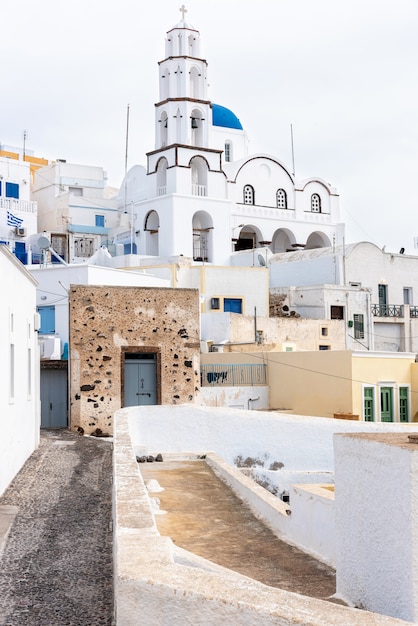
19,383
374,291
18,214
76,209
201,195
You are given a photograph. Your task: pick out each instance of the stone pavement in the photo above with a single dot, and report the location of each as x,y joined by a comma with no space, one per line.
56,535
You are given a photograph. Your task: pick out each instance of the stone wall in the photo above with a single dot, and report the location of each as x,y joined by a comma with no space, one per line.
107,322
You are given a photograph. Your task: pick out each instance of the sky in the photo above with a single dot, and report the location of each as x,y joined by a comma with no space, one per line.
342,74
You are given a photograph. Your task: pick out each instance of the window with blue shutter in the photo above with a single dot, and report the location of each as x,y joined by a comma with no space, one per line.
47,314
12,190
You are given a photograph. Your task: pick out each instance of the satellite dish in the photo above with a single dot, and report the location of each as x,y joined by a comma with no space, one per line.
261,260
44,243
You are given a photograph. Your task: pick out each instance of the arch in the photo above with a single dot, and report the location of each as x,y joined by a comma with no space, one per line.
317,240
283,241
196,123
178,125
316,203
248,194
163,129
193,46
162,165
199,173
151,233
194,82
202,233
249,238
281,199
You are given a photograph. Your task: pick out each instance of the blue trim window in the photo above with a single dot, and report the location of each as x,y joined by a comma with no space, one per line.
12,190
47,314
233,305
100,221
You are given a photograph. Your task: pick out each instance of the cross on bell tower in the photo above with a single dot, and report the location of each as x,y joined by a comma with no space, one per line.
183,10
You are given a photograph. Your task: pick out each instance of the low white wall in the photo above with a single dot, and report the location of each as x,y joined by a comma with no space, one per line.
313,520
252,398
156,582
376,523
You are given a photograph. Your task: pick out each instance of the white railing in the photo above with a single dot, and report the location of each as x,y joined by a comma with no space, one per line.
199,190
12,204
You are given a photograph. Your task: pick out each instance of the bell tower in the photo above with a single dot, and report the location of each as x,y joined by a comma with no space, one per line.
183,112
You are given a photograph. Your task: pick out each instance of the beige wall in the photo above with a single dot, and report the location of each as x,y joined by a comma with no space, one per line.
105,322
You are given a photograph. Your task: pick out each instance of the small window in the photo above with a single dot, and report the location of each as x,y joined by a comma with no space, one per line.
323,347
12,190
248,194
324,331
337,312
76,191
281,199
100,221
233,305
315,203
228,152
214,303
358,326
1,187
354,284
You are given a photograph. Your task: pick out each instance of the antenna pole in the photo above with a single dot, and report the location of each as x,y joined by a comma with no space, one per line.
293,151
24,143
127,137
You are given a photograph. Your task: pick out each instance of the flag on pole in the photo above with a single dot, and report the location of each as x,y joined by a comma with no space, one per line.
12,220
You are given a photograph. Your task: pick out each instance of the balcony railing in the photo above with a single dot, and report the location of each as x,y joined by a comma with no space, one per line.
12,204
199,190
413,311
387,310
233,375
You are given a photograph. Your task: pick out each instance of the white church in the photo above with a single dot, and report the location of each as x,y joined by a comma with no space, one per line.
201,195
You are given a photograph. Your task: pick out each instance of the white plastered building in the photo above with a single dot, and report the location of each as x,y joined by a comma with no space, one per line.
201,195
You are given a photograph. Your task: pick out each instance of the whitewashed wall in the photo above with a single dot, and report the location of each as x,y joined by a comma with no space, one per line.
376,530
19,402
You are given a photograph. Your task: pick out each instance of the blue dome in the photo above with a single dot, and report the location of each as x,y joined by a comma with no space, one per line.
222,116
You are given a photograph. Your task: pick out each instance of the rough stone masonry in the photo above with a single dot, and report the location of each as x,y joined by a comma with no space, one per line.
106,322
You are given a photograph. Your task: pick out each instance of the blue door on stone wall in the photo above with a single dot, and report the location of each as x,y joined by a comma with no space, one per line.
140,379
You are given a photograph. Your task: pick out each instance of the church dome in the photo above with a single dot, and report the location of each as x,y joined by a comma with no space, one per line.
221,116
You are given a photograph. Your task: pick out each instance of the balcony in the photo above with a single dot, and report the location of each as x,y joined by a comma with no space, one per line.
12,204
387,310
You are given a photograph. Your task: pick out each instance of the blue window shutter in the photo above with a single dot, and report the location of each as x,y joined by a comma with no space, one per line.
100,221
12,190
233,305
47,314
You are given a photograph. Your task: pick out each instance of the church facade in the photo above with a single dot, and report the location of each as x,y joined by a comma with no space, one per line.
201,195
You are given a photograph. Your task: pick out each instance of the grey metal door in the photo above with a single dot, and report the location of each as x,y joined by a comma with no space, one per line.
140,379
53,398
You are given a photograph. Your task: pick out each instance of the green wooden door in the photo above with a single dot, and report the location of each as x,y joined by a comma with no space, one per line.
386,410
369,404
403,404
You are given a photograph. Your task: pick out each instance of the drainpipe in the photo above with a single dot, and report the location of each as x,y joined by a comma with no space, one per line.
252,400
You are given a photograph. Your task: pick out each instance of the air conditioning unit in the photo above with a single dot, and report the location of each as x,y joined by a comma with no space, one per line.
20,231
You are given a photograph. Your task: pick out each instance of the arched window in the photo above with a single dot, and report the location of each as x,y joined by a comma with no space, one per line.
228,151
248,194
281,199
315,203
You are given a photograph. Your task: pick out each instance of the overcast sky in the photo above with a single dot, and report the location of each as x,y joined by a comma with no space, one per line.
343,73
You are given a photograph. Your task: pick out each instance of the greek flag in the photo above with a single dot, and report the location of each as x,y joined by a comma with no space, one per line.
12,220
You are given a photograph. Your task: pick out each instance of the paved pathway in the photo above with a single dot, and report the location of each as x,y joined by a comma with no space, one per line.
56,561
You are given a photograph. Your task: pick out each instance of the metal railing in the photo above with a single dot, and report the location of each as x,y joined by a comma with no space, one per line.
233,375
12,204
413,311
387,310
